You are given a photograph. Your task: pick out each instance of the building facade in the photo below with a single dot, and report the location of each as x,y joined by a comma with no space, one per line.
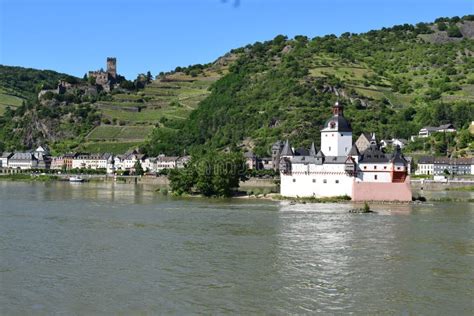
4,159
23,161
429,130
438,166
94,162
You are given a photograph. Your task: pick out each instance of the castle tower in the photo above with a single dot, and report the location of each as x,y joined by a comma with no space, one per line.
336,136
112,67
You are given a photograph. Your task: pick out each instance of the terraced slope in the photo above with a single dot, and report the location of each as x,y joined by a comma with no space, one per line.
8,100
129,119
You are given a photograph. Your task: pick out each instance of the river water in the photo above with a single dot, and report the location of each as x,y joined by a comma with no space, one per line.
109,248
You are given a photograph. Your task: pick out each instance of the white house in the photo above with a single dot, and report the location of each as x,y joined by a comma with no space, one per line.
149,164
183,161
166,162
428,130
156,164
127,161
23,161
4,159
338,168
400,142
94,162
425,166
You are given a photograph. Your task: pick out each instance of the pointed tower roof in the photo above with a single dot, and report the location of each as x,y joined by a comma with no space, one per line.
312,150
337,122
286,151
373,140
354,151
320,154
397,156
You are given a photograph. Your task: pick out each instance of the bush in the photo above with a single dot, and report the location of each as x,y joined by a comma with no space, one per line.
442,26
211,174
454,31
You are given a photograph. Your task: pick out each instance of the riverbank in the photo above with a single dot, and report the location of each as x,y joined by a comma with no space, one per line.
255,188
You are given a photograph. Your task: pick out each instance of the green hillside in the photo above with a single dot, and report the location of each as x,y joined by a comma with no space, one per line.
164,103
392,81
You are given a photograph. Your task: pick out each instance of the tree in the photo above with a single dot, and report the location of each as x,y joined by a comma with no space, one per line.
211,174
91,80
442,26
128,85
465,138
454,31
138,168
149,77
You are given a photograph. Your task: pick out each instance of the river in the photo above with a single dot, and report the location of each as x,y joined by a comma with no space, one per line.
106,248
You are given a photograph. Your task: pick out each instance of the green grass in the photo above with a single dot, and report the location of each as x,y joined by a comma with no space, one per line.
108,147
134,132
104,132
159,99
143,116
120,133
9,100
469,188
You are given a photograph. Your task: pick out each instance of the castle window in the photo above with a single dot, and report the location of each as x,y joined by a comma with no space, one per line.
337,181
365,167
385,167
375,167
325,181
314,180
294,180
375,177
329,148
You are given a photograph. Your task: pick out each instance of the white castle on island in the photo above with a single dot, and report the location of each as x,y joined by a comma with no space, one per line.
339,169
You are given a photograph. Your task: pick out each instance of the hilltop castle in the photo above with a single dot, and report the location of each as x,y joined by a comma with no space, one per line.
108,78
339,168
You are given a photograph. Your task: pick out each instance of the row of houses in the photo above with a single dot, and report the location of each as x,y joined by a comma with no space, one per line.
37,159
41,159
430,165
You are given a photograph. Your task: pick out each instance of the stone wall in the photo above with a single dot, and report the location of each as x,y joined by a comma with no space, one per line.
373,191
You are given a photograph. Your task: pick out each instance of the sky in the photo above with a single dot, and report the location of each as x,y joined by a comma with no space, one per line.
74,36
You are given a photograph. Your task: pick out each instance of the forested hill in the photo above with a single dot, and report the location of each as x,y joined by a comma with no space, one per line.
392,81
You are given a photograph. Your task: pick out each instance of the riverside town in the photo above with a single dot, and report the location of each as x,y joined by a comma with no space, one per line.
236,157
363,170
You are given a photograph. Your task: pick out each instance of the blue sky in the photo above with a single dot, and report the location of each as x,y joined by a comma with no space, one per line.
75,36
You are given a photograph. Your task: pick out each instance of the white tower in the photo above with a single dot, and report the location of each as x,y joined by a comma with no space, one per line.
336,136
